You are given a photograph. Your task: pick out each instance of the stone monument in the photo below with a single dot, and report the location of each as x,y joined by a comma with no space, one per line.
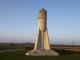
42,47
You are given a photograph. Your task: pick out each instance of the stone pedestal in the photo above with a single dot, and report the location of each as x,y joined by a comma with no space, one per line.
42,53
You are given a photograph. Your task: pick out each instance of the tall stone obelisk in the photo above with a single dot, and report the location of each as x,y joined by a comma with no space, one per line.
42,47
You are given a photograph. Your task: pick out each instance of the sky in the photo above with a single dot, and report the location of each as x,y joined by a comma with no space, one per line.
18,20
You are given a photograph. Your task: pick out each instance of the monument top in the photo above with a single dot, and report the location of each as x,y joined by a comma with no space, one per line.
42,14
43,10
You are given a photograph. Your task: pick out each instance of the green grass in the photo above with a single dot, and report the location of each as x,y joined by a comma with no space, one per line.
20,55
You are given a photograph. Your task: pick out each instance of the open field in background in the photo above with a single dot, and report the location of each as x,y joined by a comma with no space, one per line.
18,53
8,46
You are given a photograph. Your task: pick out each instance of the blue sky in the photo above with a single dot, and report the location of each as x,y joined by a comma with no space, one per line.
18,20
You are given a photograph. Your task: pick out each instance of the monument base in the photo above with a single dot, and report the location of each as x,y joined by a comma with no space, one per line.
42,53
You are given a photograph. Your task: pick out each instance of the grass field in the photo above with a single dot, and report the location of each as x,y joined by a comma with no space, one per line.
20,55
